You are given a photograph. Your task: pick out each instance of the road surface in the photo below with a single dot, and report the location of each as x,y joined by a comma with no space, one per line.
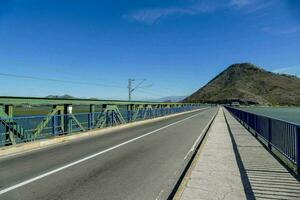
141,162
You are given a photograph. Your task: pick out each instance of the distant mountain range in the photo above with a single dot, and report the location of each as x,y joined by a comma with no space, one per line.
66,96
248,83
169,99
164,99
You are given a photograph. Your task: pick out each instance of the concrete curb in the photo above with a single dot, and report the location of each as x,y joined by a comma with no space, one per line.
179,188
39,144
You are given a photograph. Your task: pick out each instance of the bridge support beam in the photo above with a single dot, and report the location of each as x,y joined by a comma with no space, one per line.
12,129
62,120
110,115
6,113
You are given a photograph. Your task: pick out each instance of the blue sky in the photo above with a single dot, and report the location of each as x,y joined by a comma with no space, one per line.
177,45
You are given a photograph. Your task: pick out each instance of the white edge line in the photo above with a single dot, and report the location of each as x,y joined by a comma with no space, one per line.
90,157
199,138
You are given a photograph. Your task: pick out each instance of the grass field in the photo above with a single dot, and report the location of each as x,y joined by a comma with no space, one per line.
43,110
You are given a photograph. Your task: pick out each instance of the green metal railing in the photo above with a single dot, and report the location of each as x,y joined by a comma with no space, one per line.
60,117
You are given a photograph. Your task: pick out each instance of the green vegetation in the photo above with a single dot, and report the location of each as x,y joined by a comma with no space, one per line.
249,84
44,110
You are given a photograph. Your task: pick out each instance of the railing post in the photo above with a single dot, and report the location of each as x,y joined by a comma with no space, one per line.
70,123
66,118
130,110
248,122
112,118
106,118
89,121
269,133
7,110
92,116
255,126
298,149
128,116
54,125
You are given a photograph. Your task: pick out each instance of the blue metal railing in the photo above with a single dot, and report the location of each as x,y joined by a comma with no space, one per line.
281,135
87,121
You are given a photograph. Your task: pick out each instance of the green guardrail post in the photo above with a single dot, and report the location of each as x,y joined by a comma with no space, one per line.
8,111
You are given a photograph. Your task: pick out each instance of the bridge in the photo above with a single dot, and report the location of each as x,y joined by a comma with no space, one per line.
95,149
64,116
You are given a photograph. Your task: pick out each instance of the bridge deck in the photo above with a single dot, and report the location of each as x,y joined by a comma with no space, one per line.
234,165
134,163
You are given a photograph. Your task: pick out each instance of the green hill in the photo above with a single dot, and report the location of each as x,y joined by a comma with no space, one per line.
248,83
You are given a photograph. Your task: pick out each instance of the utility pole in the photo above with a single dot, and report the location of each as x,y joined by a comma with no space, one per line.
130,89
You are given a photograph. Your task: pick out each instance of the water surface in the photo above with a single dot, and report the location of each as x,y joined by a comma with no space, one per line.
291,114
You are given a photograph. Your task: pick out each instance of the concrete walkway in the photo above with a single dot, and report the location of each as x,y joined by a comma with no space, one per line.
216,174
263,175
233,165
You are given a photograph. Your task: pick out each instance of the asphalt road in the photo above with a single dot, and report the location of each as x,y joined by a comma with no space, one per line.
141,162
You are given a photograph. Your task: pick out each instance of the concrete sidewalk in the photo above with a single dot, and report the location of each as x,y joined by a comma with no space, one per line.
234,165
264,177
216,173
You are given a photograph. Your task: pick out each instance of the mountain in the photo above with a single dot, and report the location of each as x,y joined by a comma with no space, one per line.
66,96
248,83
169,99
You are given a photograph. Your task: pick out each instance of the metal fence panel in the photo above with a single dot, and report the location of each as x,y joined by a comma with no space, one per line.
281,135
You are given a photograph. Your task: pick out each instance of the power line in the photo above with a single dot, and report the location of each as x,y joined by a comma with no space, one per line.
131,89
138,85
141,89
61,81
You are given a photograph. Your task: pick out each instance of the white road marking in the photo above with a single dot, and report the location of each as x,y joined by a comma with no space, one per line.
90,157
199,138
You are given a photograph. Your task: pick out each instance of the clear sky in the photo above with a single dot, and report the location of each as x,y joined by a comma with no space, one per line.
177,45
